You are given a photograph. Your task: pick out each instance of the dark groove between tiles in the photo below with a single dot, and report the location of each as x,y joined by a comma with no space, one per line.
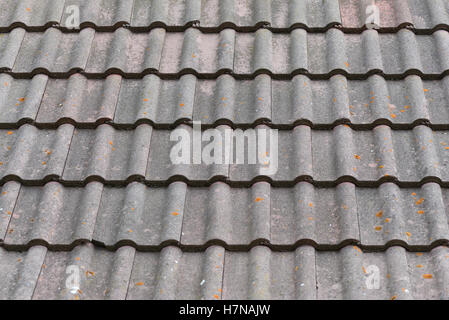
221,27
227,122
231,183
213,76
235,248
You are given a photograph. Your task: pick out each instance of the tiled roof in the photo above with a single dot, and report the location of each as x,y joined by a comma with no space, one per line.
86,179
215,273
424,16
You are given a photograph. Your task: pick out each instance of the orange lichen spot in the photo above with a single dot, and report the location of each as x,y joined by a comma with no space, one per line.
413,193
393,115
130,230
1,163
77,258
426,90
132,209
139,283
420,201
357,156
181,104
90,273
387,220
420,211
381,166
394,297
9,213
175,213
419,265
28,9
378,228
193,55
406,107
427,276
146,99
363,269
408,234
357,248
311,204
9,133
110,142
447,148
258,199
388,276
3,193
380,214
354,169
21,99
419,254
347,64
260,99
5,84
44,163
310,218
216,296
296,268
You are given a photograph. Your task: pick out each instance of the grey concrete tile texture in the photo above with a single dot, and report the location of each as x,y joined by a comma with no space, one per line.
87,184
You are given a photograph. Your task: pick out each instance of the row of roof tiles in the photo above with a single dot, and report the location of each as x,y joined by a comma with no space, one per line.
162,103
151,217
210,54
214,15
326,156
219,274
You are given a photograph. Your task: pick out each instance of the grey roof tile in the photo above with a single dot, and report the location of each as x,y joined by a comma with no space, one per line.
210,15
33,154
102,274
143,215
157,100
108,153
163,103
151,217
52,51
99,13
326,156
30,13
418,14
219,274
79,99
210,54
168,13
214,15
9,193
54,214
160,168
19,272
20,99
